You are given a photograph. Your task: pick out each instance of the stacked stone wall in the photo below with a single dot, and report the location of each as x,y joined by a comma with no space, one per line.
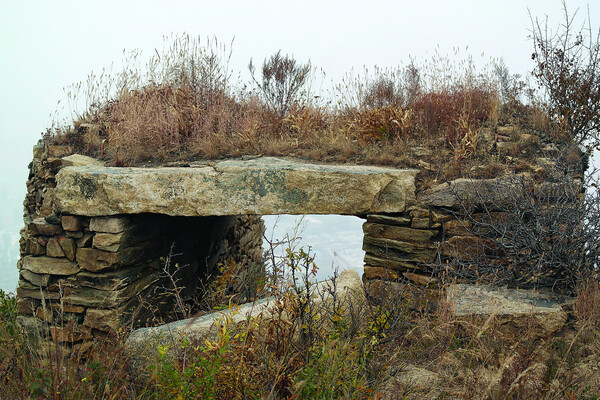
82,277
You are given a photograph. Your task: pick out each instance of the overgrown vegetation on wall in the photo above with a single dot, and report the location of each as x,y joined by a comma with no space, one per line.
184,104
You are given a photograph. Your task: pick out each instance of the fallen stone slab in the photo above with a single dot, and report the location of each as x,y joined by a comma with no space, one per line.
517,311
260,186
142,345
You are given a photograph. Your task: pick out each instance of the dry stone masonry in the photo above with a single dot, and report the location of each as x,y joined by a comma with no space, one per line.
101,244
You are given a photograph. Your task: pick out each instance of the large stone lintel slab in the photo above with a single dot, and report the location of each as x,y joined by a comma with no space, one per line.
233,187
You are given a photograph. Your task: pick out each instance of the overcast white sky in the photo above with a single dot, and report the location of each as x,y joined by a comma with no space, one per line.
47,45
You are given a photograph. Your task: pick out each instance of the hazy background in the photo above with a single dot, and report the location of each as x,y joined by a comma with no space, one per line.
48,45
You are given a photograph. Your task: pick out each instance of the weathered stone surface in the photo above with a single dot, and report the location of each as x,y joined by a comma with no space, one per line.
31,246
96,260
83,296
36,279
68,246
112,280
517,310
103,320
398,250
74,234
463,190
388,263
53,248
33,326
48,203
49,265
78,160
398,232
44,228
419,279
260,186
71,223
388,219
109,224
107,241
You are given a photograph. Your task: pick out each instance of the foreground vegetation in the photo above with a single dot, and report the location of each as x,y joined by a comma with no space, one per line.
406,344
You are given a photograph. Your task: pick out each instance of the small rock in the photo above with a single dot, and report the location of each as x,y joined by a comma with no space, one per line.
71,223
53,248
68,246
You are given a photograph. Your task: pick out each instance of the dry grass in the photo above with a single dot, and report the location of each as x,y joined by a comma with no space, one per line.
184,105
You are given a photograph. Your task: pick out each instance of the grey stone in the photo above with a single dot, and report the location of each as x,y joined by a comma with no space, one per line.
71,223
33,327
388,219
44,228
398,232
109,224
103,319
96,260
49,265
107,241
399,250
68,246
389,263
53,248
517,310
36,279
233,187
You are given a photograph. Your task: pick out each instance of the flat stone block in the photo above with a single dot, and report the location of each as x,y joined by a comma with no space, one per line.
57,151
35,279
388,219
49,265
107,241
469,248
96,260
421,223
458,228
519,311
398,232
44,228
399,250
71,223
109,224
389,263
234,187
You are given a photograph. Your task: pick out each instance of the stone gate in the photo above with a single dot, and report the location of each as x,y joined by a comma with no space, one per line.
97,239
